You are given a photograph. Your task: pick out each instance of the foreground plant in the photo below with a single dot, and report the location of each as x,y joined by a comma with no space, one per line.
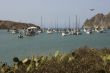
81,60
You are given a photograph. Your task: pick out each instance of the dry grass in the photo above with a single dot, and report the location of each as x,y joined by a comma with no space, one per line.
82,60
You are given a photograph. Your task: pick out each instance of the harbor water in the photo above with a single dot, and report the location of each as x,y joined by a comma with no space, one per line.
46,44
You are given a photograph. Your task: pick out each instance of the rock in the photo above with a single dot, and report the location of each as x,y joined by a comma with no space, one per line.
99,20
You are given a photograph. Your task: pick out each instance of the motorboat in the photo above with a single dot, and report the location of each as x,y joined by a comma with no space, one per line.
49,31
31,31
14,31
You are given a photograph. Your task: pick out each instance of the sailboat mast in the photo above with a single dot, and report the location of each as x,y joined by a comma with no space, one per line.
69,22
79,23
57,23
41,21
76,21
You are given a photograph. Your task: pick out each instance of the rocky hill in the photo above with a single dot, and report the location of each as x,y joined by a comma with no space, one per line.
15,25
99,20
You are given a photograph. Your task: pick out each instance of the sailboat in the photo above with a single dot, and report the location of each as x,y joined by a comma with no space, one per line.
77,30
87,30
50,30
102,29
65,32
14,31
41,30
96,28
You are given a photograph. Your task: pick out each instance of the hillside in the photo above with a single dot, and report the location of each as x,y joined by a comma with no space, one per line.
15,25
99,20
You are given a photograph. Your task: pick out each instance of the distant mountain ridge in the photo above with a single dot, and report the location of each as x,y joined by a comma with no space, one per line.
15,25
99,20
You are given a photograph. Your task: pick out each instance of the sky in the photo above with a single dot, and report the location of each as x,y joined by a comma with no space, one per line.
52,11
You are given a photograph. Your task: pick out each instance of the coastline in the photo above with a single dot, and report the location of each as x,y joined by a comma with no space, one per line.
81,60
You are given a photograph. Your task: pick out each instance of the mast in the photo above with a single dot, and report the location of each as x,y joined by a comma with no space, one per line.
57,23
79,23
69,22
76,23
41,21
51,24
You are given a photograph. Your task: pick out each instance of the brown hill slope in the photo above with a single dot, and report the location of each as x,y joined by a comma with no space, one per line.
15,25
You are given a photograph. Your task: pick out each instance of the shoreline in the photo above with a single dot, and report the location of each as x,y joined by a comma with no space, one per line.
81,60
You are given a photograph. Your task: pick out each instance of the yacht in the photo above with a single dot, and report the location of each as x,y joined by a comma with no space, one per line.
49,31
14,31
20,36
77,30
31,31
88,31
64,33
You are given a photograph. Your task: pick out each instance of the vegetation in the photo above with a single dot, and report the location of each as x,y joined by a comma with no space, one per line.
82,60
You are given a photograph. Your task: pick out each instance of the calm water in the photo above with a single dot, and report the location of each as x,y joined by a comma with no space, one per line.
47,44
